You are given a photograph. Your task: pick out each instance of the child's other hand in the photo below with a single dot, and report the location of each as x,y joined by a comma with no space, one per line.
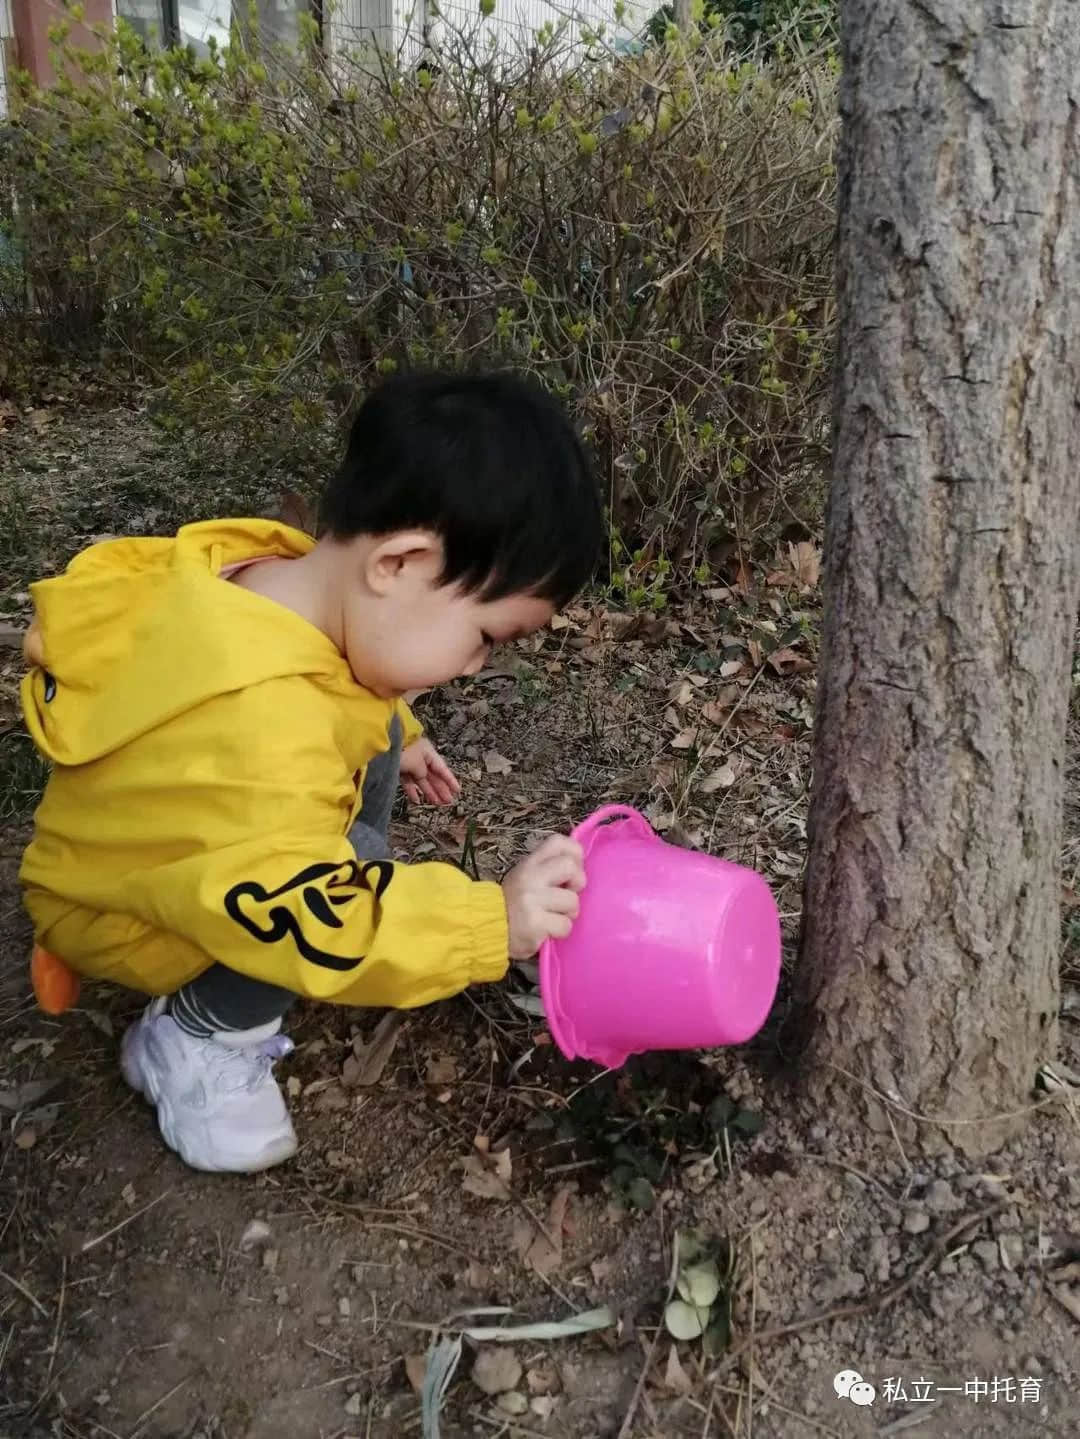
426,775
541,895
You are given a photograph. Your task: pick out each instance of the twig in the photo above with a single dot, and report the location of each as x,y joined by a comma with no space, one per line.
886,1299
25,1293
56,1327
147,1413
506,1426
635,1398
407,1229
93,1243
945,1121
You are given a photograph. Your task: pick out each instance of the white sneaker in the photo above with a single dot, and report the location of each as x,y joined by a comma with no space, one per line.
218,1104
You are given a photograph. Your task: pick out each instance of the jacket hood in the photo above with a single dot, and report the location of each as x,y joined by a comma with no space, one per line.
138,631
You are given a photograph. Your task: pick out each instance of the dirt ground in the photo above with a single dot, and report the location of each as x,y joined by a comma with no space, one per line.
459,1163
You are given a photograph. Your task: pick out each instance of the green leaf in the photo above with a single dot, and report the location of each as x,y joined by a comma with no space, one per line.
699,1285
641,1194
682,1321
748,1121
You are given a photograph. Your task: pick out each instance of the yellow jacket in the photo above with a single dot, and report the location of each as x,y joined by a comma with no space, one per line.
208,749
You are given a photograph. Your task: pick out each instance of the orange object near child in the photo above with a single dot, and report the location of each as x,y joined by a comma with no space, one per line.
56,987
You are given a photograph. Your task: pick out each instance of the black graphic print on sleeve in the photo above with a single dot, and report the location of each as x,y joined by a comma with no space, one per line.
324,889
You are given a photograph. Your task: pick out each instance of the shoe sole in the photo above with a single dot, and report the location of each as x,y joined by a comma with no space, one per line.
142,1079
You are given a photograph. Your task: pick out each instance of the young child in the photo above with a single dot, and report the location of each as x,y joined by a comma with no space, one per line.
225,719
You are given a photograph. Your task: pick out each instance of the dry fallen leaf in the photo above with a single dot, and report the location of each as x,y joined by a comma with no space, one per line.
685,739
478,1277
545,1253
367,1063
415,1369
787,662
496,1370
487,1175
675,1376
806,562
723,778
440,1069
496,763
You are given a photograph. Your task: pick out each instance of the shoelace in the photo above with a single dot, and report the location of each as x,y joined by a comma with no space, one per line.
248,1068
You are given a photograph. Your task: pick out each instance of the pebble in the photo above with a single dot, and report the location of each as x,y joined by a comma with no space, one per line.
939,1198
879,1257
281,1294
844,1284
1012,1248
916,1221
270,1260
986,1251
512,1403
344,1308
353,1405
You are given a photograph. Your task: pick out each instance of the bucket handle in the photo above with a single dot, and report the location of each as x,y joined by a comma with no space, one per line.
632,817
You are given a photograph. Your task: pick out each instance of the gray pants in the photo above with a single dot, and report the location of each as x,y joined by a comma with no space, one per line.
221,999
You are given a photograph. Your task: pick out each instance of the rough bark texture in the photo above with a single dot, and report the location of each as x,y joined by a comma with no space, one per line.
930,949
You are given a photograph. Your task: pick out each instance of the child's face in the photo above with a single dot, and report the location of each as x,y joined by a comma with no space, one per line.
404,631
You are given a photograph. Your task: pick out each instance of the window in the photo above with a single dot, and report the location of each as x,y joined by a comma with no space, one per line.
197,22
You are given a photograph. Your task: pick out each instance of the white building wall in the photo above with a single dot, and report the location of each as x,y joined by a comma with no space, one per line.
7,50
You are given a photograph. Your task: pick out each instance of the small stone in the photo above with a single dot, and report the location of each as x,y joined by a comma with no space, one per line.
1011,1248
947,1265
975,1306
353,1405
986,1251
879,1257
916,1221
542,1406
281,1294
344,1308
939,1198
844,1284
270,1260
324,1320
512,1403
255,1236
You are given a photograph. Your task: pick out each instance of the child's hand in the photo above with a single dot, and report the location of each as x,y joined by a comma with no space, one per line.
426,775
541,895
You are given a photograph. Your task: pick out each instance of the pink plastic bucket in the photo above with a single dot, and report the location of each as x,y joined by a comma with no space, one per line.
672,949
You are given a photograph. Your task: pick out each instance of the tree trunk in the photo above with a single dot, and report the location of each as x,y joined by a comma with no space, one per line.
929,965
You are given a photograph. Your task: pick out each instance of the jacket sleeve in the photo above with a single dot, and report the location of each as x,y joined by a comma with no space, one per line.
411,727
303,912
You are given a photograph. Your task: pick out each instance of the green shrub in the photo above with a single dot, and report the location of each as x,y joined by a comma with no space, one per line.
650,236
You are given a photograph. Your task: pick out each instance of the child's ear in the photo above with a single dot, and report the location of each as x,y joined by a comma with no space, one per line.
409,554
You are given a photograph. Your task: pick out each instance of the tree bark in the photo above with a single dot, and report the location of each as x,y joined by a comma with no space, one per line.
929,964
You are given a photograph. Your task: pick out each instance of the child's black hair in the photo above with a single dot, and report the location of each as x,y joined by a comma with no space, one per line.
492,464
